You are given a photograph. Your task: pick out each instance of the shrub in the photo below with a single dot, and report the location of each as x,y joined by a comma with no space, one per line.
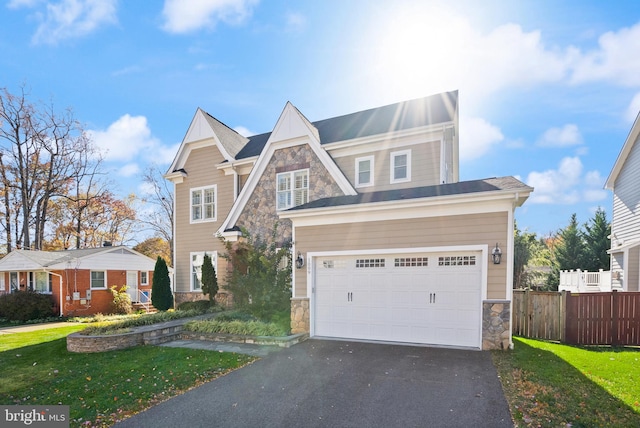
25,306
121,300
260,280
209,279
247,328
161,296
201,306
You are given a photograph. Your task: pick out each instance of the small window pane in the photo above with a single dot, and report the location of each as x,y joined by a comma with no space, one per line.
400,167
97,280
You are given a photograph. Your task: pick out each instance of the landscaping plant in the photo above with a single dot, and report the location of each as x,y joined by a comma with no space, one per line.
161,296
121,303
260,278
26,305
209,280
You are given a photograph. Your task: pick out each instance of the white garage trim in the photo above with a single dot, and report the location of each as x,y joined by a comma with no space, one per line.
312,277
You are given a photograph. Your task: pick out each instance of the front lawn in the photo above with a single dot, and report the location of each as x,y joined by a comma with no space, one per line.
100,388
553,385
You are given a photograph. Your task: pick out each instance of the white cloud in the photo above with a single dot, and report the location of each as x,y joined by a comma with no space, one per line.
567,136
69,19
125,138
476,137
616,59
243,131
129,170
295,22
184,16
566,185
634,109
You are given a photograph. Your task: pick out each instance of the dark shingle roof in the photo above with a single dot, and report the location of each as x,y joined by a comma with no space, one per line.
451,189
394,117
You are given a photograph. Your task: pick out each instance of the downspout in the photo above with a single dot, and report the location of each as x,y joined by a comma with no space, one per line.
59,276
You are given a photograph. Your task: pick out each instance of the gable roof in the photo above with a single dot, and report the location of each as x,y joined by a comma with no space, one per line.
45,259
205,127
419,112
462,188
624,154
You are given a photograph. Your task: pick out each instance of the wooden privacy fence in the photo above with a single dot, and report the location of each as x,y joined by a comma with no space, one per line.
611,318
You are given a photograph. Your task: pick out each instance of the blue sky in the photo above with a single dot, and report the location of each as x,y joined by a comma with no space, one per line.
548,90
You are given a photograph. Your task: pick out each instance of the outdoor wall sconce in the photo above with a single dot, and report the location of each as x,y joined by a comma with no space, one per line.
299,261
496,255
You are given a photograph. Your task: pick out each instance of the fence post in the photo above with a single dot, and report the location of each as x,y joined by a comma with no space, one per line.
562,315
615,340
527,314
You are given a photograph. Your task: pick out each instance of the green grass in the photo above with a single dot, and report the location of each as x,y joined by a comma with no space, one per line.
553,385
100,388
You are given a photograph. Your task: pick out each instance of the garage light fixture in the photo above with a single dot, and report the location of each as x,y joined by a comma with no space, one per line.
496,255
299,261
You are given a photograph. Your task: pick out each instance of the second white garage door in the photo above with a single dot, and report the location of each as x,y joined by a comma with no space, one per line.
426,298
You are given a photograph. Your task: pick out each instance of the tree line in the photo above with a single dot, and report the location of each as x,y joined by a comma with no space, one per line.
54,187
538,261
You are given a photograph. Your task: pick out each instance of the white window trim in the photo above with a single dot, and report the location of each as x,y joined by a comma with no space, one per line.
91,280
146,278
392,166
214,259
371,160
292,189
2,282
215,203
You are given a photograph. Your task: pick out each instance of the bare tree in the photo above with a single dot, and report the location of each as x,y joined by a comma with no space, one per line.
43,155
159,198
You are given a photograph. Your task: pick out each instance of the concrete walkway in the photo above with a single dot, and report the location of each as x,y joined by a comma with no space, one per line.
34,327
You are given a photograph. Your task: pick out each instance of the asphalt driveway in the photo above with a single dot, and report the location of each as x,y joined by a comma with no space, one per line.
322,383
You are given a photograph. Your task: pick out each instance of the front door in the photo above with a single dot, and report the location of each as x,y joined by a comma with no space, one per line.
132,286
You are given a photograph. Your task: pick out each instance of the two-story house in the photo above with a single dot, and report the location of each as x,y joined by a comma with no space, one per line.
624,181
389,244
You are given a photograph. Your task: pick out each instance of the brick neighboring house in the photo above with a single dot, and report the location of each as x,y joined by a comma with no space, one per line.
79,280
389,244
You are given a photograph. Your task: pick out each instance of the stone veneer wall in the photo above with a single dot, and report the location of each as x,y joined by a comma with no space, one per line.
496,325
300,315
259,214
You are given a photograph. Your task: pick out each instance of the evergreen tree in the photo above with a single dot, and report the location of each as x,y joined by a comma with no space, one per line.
161,296
209,279
597,242
568,252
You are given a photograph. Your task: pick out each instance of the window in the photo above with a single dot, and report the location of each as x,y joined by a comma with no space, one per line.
197,259
401,166
364,171
144,278
203,204
98,279
42,282
457,261
13,280
412,262
292,189
2,286
370,263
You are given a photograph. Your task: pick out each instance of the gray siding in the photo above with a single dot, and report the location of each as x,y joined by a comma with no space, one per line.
626,198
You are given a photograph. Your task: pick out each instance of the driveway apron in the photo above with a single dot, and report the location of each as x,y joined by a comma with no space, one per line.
322,383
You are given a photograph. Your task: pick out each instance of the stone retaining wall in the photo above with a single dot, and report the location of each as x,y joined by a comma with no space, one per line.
300,315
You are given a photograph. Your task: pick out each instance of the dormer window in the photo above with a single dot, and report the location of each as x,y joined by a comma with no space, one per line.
400,166
364,171
292,189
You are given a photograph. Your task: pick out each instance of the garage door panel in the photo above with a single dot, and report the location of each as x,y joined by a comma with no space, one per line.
421,298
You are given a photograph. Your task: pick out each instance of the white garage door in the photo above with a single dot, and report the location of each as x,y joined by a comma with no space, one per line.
416,298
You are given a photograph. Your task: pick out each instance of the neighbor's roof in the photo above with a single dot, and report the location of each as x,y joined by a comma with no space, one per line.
499,184
48,258
439,108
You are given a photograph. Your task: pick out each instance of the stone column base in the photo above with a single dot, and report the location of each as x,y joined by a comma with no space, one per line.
496,325
300,315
